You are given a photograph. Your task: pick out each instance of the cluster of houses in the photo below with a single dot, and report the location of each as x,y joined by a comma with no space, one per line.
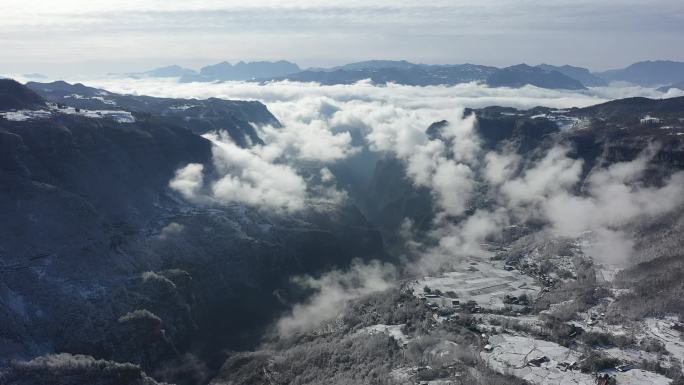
435,301
534,271
648,119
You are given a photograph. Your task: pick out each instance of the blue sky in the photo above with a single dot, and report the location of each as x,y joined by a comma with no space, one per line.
67,37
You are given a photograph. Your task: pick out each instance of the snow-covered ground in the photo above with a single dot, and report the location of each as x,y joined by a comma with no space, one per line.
393,331
606,273
484,282
513,354
24,115
640,377
662,330
117,115
516,354
502,323
100,98
181,107
630,355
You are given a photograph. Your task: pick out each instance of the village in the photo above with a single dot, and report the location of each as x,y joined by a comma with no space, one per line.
515,339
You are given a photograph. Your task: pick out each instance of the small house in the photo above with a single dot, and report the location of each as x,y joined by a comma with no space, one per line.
648,119
538,361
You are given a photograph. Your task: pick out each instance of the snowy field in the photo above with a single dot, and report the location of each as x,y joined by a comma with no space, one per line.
484,282
516,355
26,115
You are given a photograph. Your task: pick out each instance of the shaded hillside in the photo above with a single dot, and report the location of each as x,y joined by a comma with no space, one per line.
103,259
647,73
634,107
14,96
578,73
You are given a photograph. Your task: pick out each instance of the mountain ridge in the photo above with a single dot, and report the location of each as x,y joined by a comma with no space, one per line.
647,73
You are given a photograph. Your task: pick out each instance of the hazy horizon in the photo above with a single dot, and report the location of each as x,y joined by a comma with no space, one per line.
129,36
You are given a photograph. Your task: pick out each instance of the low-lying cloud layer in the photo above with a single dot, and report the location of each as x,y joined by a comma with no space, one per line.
472,95
323,125
613,198
318,122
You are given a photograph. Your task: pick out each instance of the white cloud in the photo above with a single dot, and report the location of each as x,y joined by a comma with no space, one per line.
188,180
499,167
316,128
327,175
332,292
317,121
247,178
453,185
319,32
306,133
317,125
610,200
243,177
554,173
171,230
421,100
455,241
614,199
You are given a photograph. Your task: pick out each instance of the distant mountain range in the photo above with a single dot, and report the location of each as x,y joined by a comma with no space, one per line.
170,72
647,74
417,75
578,73
522,75
226,71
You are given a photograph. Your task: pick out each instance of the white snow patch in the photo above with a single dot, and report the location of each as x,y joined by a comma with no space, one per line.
630,355
181,107
640,377
117,115
513,354
662,330
100,98
24,115
393,331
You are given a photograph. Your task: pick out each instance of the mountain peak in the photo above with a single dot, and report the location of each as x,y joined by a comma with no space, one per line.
16,96
579,73
377,64
522,74
248,70
648,73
